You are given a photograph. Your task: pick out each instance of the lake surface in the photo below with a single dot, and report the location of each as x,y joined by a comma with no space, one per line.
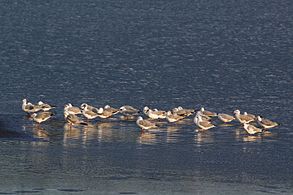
223,55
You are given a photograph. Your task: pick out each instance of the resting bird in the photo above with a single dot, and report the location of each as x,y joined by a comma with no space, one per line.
29,107
266,123
72,109
111,109
251,130
145,124
44,106
173,117
104,113
226,118
41,116
250,115
243,118
202,124
128,110
72,119
183,111
207,113
91,112
154,114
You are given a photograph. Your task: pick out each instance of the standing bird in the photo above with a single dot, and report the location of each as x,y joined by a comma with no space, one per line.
145,124
243,118
29,107
266,123
226,118
41,116
202,124
251,130
72,119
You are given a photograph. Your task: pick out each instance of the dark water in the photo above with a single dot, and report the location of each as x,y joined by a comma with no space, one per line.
223,55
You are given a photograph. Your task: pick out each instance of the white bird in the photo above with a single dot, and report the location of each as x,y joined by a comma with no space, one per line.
183,111
250,115
104,113
91,112
251,130
128,110
111,109
41,116
29,107
45,106
243,118
145,124
72,109
72,119
203,124
226,118
154,114
207,113
266,123
173,117
89,107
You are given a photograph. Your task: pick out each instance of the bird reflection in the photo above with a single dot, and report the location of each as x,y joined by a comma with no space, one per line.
40,132
70,132
147,137
252,138
226,125
89,132
203,137
105,131
238,134
172,134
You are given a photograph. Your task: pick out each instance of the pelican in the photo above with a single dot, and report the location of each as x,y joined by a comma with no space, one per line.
41,116
145,124
251,130
207,113
266,123
226,118
243,118
203,124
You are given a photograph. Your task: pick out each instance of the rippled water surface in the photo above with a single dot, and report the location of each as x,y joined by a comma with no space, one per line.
218,54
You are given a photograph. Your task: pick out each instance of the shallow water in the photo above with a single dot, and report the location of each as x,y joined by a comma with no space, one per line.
161,54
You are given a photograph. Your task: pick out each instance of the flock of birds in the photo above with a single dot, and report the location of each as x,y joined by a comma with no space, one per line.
73,115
